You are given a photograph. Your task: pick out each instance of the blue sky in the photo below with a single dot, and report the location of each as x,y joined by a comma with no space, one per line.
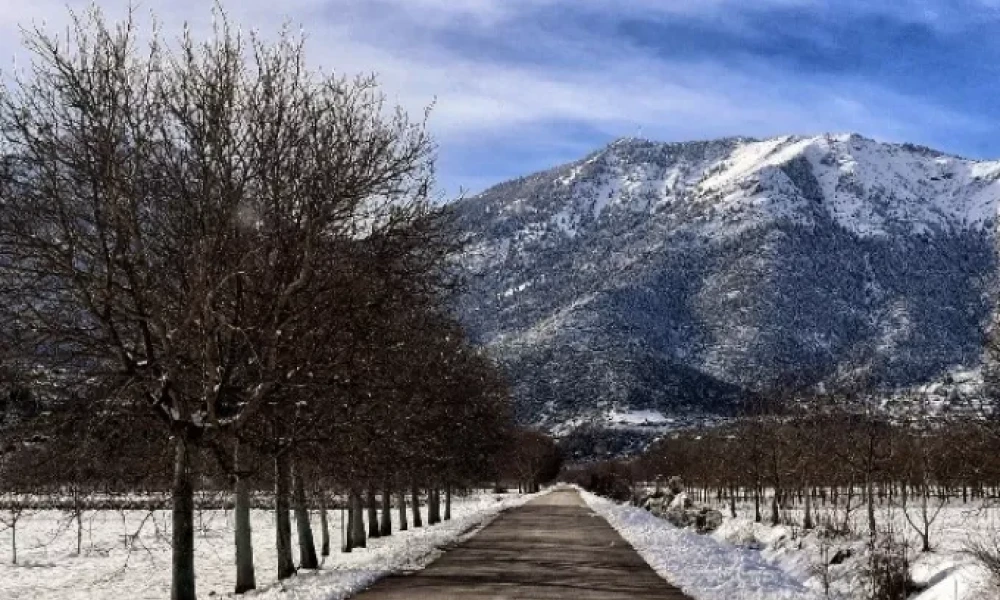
521,85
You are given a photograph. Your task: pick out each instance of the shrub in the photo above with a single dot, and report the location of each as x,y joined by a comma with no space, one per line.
889,568
986,553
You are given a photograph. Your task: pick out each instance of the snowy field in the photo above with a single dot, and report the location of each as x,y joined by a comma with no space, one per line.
947,572
126,554
744,560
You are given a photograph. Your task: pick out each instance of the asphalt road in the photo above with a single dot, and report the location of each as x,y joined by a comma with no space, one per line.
553,547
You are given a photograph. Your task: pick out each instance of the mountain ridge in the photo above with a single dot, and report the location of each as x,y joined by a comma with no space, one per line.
702,270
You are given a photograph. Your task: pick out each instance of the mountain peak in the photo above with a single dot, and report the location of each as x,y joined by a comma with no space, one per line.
865,185
829,138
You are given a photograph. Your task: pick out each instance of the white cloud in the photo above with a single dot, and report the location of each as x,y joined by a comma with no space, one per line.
601,84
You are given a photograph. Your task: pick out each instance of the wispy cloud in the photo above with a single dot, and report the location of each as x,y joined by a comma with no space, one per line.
523,84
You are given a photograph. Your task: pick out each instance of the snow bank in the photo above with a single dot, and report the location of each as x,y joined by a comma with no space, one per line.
701,566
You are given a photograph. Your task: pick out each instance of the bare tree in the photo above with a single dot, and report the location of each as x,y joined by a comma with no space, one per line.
166,212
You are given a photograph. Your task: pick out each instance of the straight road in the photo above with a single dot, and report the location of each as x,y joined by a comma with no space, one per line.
552,548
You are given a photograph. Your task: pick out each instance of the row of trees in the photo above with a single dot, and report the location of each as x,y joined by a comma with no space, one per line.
533,459
219,268
825,451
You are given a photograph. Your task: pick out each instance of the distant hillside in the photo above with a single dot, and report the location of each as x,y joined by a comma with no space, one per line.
670,278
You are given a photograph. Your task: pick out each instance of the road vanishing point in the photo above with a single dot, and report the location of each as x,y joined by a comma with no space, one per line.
552,548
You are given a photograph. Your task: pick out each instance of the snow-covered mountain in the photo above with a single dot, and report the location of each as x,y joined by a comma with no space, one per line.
667,279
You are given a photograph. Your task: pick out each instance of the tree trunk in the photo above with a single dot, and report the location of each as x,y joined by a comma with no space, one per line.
417,522
447,503
357,534
346,545
401,499
307,547
385,525
847,508
925,533
373,531
324,523
433,507
756,505
182,581
807,520
872,528
246,578
13,540
282,520
79,531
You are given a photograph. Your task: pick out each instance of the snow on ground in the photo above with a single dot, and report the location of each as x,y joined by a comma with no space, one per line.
703,567
945,573
744,560
48,568
636,417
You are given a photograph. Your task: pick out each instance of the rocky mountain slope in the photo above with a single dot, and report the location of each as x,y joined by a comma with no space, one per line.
652,281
